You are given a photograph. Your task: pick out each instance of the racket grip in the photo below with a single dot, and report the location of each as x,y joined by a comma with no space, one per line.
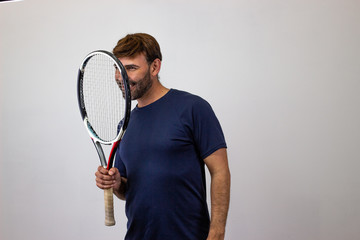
109,207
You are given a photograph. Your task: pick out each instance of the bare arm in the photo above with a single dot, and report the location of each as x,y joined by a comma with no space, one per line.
217,164
111,179
120,192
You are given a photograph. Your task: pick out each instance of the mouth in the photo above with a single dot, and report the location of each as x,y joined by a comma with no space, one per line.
132,83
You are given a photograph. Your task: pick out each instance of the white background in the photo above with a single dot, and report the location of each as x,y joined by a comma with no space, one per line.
282,77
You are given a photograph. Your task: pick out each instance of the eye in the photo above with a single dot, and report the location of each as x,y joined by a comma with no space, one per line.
131,67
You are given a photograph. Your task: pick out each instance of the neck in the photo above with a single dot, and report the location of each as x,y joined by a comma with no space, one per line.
156,92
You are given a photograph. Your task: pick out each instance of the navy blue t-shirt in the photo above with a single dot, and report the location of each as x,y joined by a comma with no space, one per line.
162,155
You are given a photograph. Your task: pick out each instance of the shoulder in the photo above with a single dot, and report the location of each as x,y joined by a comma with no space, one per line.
188,99
189,106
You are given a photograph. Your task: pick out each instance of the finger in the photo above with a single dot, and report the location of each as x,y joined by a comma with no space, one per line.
102,186
103,177
103,173
102,170
105,183
113,171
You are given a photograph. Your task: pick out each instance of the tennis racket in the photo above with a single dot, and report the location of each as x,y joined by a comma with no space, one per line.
105,103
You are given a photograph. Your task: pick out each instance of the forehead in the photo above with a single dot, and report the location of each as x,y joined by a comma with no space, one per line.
138,59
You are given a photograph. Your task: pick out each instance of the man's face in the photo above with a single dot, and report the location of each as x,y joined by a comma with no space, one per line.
138,72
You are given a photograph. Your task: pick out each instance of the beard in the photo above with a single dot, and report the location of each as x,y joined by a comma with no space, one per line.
140,87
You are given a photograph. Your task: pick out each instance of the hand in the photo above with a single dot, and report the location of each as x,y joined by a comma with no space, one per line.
106,179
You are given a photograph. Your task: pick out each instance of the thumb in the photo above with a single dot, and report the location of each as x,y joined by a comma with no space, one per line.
113,171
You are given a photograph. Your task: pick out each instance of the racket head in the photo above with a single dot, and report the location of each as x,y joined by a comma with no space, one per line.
104,96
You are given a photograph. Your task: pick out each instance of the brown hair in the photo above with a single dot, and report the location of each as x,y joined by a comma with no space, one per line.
133,44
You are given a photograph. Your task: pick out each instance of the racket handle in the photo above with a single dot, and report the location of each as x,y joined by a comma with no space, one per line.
109,207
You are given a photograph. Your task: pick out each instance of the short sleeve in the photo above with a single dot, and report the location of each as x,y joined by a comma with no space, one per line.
207,132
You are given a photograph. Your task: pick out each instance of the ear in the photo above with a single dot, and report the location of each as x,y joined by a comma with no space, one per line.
155,67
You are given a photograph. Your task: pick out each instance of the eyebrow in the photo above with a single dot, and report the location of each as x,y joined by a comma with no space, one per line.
131,66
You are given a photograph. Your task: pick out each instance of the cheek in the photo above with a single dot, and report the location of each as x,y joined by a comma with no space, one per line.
132,77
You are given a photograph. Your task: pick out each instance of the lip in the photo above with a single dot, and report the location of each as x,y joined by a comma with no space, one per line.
132,83
132,86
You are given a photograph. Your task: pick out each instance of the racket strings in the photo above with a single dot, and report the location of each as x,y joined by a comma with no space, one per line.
103,98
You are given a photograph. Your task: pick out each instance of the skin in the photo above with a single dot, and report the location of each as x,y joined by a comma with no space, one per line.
146,89
217,163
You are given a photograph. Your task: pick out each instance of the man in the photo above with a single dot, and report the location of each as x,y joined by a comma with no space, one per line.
159,166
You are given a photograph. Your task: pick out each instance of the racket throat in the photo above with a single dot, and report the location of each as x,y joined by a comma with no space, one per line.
100,153
112,155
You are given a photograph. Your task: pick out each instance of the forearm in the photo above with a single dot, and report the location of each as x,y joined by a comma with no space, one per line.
220,198
120,191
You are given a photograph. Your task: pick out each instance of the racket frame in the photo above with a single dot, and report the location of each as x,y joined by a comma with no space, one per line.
124,76
108,193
